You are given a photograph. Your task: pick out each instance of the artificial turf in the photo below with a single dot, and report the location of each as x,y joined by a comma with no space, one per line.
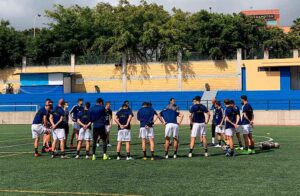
273,172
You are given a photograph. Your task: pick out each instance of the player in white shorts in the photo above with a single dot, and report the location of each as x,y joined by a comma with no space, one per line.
123,119
247,126
197,118
37,128
238,130
169,119
74,112
85,132
231,123
58,132
219,122
146,117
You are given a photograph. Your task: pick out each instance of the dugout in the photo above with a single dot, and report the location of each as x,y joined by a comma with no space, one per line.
45,83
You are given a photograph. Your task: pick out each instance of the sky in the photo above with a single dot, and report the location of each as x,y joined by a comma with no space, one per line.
21,13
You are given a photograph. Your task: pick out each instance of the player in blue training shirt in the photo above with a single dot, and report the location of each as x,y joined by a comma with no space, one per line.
85,132
247,125
231,124
66,122
58,132
238,129
218,119
47,147
197,117
146,117
38,127
123,119
74,112
169,119
99,120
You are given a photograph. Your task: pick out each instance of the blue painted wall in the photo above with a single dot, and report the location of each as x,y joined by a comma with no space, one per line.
42,89
244,79
33,79
158,99
285,79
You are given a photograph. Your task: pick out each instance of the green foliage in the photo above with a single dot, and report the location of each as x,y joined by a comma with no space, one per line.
11,45
143,32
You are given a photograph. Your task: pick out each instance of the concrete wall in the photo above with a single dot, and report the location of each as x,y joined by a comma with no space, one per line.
220,75
261,117
266,80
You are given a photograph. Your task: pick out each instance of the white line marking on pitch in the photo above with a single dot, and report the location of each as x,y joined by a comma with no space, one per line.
16,145
60,193
11,140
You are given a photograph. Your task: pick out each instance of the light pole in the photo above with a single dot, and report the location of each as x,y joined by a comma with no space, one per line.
34,23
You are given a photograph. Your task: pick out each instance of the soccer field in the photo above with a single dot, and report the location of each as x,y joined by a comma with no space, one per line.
273,172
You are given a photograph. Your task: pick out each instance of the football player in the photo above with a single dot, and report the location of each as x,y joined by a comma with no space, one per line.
85,132
58,132
146,117
98,118
231,124
38,126
74,112
247,125
197,117
169,119
123,119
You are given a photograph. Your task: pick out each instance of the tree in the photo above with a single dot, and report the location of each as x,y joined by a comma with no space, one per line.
276,41
11,45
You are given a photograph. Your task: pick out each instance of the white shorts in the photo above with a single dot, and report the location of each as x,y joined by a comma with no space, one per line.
37,130
107,128
58,134
76,126
229,132
220,129
124,135
239,129
171,130
199,129
146,133
246,129
85,134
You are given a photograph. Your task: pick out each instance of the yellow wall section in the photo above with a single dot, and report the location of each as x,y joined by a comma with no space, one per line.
263,80
7,76
220,75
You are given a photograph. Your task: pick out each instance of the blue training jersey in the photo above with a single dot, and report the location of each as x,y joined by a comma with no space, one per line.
57,113
123,116
169,115
146,115
85,117
218,116
238,112
230,112
38,118
198,111
98,116
74,112
248,111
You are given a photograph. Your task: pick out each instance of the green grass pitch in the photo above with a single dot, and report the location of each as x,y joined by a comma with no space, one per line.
274,172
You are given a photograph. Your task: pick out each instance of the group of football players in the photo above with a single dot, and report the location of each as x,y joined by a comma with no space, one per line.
92,124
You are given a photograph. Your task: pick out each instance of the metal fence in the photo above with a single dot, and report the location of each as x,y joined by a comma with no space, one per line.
288,104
